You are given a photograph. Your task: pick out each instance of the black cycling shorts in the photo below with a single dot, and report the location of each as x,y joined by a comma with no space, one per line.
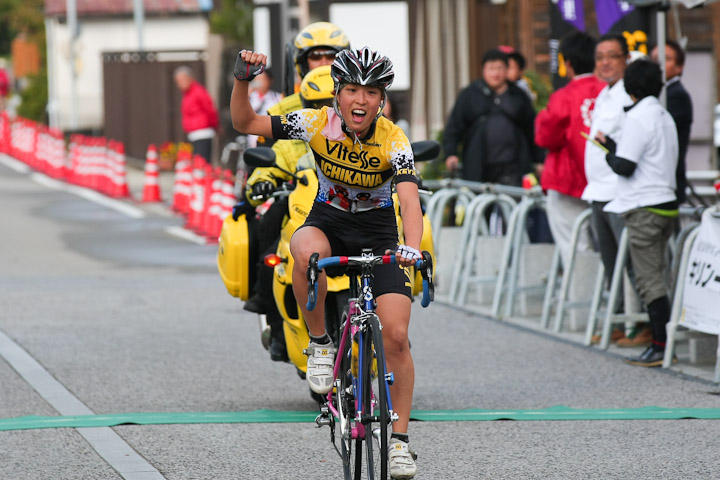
349,233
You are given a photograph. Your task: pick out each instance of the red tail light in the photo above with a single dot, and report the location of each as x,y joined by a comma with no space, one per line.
271,260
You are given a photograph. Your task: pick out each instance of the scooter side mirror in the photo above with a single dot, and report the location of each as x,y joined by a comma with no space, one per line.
425,150
264,157
259,157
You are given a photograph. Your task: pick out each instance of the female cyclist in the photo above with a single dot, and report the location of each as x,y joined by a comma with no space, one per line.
358,154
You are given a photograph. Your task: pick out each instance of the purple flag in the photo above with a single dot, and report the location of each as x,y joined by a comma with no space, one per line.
572,12
609,12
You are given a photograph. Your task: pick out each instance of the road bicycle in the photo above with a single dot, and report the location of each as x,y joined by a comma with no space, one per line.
359,403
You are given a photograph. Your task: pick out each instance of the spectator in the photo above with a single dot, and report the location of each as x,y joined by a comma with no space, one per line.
262,97
557,128
516,69
645,159
493,119
611,57
199,115
679,105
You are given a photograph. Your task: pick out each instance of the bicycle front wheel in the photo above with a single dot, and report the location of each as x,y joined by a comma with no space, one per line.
375,402
345,401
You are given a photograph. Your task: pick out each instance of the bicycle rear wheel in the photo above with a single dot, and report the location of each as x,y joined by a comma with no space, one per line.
375,402
351,449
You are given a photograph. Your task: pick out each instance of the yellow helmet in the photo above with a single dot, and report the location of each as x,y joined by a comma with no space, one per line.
318,34
317,88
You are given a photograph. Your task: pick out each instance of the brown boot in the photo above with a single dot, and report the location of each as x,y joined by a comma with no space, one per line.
615,335
641,336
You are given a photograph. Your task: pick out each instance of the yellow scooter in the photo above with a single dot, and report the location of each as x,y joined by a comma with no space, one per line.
234,253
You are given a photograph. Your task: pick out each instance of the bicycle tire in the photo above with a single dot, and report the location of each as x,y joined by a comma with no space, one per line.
351,449
375,402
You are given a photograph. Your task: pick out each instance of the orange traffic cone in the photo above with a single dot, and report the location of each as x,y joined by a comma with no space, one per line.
197,198
151,190
183,185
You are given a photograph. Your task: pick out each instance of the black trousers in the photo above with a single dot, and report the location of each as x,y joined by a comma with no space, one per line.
203,147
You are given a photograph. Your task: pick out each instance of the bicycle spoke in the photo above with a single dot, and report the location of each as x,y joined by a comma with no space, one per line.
351,448
375,403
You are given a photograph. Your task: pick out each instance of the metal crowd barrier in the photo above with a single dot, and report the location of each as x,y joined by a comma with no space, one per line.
561,303
507,282
685,241
462,272
610,317
475,225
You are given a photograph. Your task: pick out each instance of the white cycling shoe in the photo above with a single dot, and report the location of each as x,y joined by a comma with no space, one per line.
320,362
401,460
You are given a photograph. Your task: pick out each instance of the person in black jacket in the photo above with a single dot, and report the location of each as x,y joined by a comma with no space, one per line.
493,121
679,105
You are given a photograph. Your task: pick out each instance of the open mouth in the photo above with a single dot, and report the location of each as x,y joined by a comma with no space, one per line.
358,115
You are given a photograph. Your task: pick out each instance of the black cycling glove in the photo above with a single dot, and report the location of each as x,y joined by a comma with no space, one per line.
246,72
263,189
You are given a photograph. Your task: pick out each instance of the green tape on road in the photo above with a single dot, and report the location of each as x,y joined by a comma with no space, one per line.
113,420
562,412
271,416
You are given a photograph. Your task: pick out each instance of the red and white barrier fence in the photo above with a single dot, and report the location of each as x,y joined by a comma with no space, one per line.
92,162
203,195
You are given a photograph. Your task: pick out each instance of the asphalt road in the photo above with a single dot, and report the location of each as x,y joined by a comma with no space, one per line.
124,318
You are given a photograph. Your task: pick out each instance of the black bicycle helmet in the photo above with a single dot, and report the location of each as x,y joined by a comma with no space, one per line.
362,67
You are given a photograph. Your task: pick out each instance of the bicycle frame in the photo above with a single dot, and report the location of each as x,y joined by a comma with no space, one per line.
353,325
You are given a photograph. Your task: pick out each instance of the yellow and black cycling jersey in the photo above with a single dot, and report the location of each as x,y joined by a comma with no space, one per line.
353,175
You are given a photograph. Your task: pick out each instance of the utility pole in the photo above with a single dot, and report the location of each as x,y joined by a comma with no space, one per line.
139,16
71,7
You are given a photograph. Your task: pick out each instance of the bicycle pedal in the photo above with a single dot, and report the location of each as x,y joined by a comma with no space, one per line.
323,419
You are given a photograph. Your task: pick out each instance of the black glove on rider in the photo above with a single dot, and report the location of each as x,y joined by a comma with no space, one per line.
244,71
263,189
240,208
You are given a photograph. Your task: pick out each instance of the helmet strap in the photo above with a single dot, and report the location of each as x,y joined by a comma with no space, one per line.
382,105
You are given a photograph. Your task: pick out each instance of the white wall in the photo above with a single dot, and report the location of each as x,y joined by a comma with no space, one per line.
382,26
698,81
108,35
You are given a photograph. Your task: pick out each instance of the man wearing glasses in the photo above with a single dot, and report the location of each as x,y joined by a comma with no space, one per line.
316,45
608,117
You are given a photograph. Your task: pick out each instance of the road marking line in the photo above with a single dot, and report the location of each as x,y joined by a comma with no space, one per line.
13,164
186,234
88,194
108,444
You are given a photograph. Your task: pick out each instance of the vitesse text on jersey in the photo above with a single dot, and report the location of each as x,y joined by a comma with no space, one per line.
341,152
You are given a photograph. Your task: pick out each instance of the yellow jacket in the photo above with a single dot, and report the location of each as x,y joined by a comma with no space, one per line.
287,155
287,152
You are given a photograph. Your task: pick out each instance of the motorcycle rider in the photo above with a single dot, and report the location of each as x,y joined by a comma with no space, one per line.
315,46
316,91
357,149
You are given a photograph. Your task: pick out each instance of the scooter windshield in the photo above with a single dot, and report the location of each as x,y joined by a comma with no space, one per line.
305,162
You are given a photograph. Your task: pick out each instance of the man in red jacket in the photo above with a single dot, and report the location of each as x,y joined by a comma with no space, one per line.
199,115
558,129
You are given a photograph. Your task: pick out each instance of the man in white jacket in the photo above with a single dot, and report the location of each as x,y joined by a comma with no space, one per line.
608,117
